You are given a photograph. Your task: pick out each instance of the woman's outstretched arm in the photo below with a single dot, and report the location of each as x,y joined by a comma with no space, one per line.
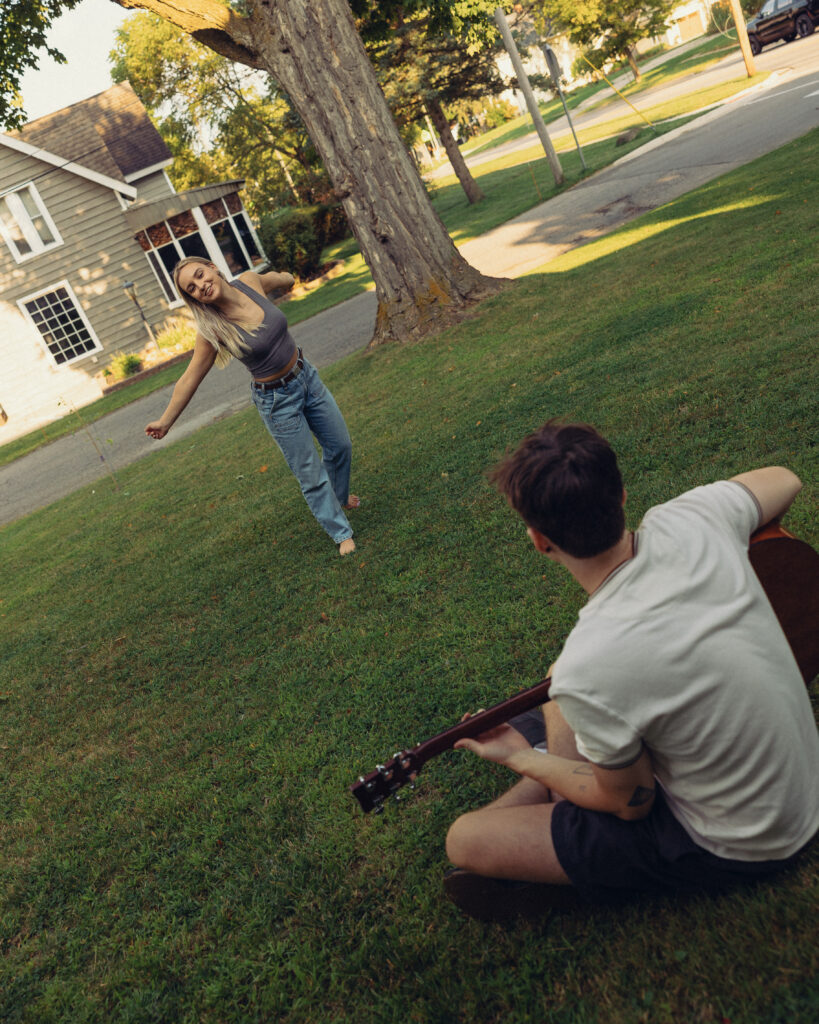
204,356
271,281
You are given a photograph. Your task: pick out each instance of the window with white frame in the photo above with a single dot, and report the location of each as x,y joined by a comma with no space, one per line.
233,233
61,323
25,224
218,227
166,243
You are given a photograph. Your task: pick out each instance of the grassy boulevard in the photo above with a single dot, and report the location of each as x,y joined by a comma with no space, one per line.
512,185
192,679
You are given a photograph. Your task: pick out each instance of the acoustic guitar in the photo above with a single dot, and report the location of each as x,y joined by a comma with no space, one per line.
788,569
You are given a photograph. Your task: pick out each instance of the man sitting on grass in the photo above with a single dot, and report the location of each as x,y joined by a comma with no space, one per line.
682,749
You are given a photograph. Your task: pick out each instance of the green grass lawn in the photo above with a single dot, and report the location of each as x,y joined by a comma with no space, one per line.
681,65
191,677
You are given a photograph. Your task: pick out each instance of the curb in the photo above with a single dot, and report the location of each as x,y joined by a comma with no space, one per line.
698,117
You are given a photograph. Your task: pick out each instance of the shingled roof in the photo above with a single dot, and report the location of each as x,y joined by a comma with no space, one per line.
109,133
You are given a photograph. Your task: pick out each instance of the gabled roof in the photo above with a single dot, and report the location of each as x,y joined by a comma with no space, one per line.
125,128
109,135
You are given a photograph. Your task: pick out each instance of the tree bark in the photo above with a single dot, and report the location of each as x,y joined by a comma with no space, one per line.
314,53
453,151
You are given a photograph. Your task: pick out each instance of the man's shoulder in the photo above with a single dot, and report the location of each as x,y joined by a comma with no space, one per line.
726,506
716,496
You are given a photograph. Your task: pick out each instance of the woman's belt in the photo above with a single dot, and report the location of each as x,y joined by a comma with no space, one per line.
279,382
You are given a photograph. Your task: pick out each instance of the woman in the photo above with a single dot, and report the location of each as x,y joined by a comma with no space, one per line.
235,319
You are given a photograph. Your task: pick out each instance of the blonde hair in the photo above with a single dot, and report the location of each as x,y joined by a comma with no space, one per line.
211,322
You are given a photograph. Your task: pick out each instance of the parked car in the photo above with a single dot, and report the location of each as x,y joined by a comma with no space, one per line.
782,19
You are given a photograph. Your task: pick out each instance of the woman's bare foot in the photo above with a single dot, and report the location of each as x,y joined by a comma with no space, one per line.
346,547
353,501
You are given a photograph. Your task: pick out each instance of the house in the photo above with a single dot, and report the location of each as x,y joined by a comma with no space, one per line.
688,21
86,207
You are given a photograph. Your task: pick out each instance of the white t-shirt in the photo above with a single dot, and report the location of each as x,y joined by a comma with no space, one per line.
680,650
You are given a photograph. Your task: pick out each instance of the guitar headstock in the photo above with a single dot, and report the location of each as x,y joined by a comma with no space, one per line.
372,790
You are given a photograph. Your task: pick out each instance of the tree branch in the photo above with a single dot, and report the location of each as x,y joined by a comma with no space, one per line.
208,22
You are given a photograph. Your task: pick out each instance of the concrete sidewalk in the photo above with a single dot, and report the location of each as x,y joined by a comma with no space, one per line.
649,177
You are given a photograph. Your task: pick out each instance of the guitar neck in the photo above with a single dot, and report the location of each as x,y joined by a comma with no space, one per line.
476,724
372,790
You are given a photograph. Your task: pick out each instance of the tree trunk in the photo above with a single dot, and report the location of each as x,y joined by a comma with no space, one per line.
315,55
453,151
288,177
632,63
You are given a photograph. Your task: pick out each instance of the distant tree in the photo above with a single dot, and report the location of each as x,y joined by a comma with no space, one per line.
423,66
606,30
24,28
314,53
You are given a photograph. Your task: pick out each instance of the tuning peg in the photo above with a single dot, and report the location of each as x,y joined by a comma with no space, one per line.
378,809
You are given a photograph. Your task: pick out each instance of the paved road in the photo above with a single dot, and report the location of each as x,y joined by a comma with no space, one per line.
653,175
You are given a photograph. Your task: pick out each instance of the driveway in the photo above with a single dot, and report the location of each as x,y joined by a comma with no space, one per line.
727,137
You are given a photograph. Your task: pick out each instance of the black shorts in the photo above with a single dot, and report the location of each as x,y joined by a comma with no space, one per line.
607,858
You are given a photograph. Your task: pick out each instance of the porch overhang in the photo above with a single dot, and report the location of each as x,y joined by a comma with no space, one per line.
144,215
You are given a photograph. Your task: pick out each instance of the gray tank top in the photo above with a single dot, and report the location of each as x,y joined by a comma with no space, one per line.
271,345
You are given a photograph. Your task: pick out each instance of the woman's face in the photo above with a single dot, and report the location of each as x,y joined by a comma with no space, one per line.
202,282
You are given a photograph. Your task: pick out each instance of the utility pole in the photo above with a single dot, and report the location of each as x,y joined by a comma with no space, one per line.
526,89
742,36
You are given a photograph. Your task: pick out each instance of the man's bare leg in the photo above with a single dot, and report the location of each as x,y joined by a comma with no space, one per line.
507,842
512,836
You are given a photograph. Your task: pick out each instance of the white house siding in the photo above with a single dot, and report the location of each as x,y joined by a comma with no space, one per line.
687,21
153,186
97,256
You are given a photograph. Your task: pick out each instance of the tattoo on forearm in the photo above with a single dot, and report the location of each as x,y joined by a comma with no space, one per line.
583,769
640,796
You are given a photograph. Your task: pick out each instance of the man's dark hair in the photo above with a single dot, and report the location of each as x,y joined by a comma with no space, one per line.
564,482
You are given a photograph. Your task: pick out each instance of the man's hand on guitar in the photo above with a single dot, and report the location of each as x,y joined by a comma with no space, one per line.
498,744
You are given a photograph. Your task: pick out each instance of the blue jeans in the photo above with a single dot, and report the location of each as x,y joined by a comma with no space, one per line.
294,413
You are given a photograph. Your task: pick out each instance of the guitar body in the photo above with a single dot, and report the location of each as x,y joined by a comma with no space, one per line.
788,570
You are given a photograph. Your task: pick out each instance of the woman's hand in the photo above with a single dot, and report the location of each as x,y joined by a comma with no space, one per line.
157,430
498,744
